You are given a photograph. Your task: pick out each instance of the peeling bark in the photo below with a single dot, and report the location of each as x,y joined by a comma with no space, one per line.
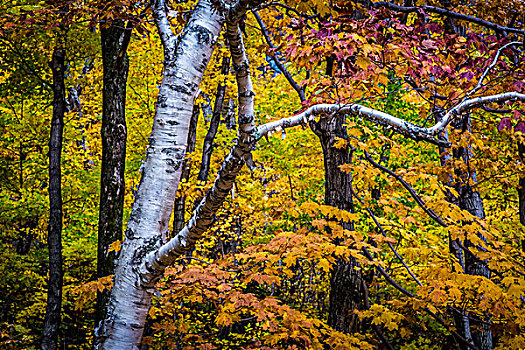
204,214
143,257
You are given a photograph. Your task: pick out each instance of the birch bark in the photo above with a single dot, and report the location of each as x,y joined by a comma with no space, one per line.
185,61
203,215
143,257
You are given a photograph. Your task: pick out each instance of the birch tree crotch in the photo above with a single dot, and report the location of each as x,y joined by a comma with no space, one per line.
185,60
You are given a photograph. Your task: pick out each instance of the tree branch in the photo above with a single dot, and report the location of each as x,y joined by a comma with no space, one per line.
401,126
385,235
161,19
484,75
278,63
448,13
409,188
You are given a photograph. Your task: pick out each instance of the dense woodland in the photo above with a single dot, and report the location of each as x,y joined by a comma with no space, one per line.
251,174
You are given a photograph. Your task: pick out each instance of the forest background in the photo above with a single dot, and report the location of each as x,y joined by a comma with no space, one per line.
357,223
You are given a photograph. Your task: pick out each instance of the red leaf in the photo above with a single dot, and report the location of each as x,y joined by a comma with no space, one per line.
505,124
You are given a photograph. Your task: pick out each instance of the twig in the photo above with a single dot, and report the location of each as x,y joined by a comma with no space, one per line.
384,234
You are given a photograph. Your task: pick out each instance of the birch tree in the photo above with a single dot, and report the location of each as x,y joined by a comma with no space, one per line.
144,256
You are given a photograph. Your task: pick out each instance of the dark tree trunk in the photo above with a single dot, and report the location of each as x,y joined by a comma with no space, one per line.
114,39
330,61
346,283
468,199
180,201
461,319
207,148
521,192
54,238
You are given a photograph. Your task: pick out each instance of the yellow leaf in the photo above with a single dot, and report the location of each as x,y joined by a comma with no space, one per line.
362,62
115,246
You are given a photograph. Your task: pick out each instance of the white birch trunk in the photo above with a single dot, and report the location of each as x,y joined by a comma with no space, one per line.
184,66
203,216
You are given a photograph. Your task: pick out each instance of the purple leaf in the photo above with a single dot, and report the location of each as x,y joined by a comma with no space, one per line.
504,124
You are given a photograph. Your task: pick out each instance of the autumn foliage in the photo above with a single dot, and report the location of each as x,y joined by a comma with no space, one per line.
260,277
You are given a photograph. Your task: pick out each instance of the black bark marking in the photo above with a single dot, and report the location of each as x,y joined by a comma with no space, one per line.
204,36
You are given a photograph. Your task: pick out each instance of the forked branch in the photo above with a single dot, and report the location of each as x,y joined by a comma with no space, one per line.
203,216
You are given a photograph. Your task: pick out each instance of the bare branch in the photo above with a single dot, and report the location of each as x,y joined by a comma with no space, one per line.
410,190
484,75
401,126
448,13
385,235
282,68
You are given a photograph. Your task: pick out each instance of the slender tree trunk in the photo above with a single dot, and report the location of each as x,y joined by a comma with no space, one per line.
207,148
54,238
114,41
521,192
346,283
179,207
468,199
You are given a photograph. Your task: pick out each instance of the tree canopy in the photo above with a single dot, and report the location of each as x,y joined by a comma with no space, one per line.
381,206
